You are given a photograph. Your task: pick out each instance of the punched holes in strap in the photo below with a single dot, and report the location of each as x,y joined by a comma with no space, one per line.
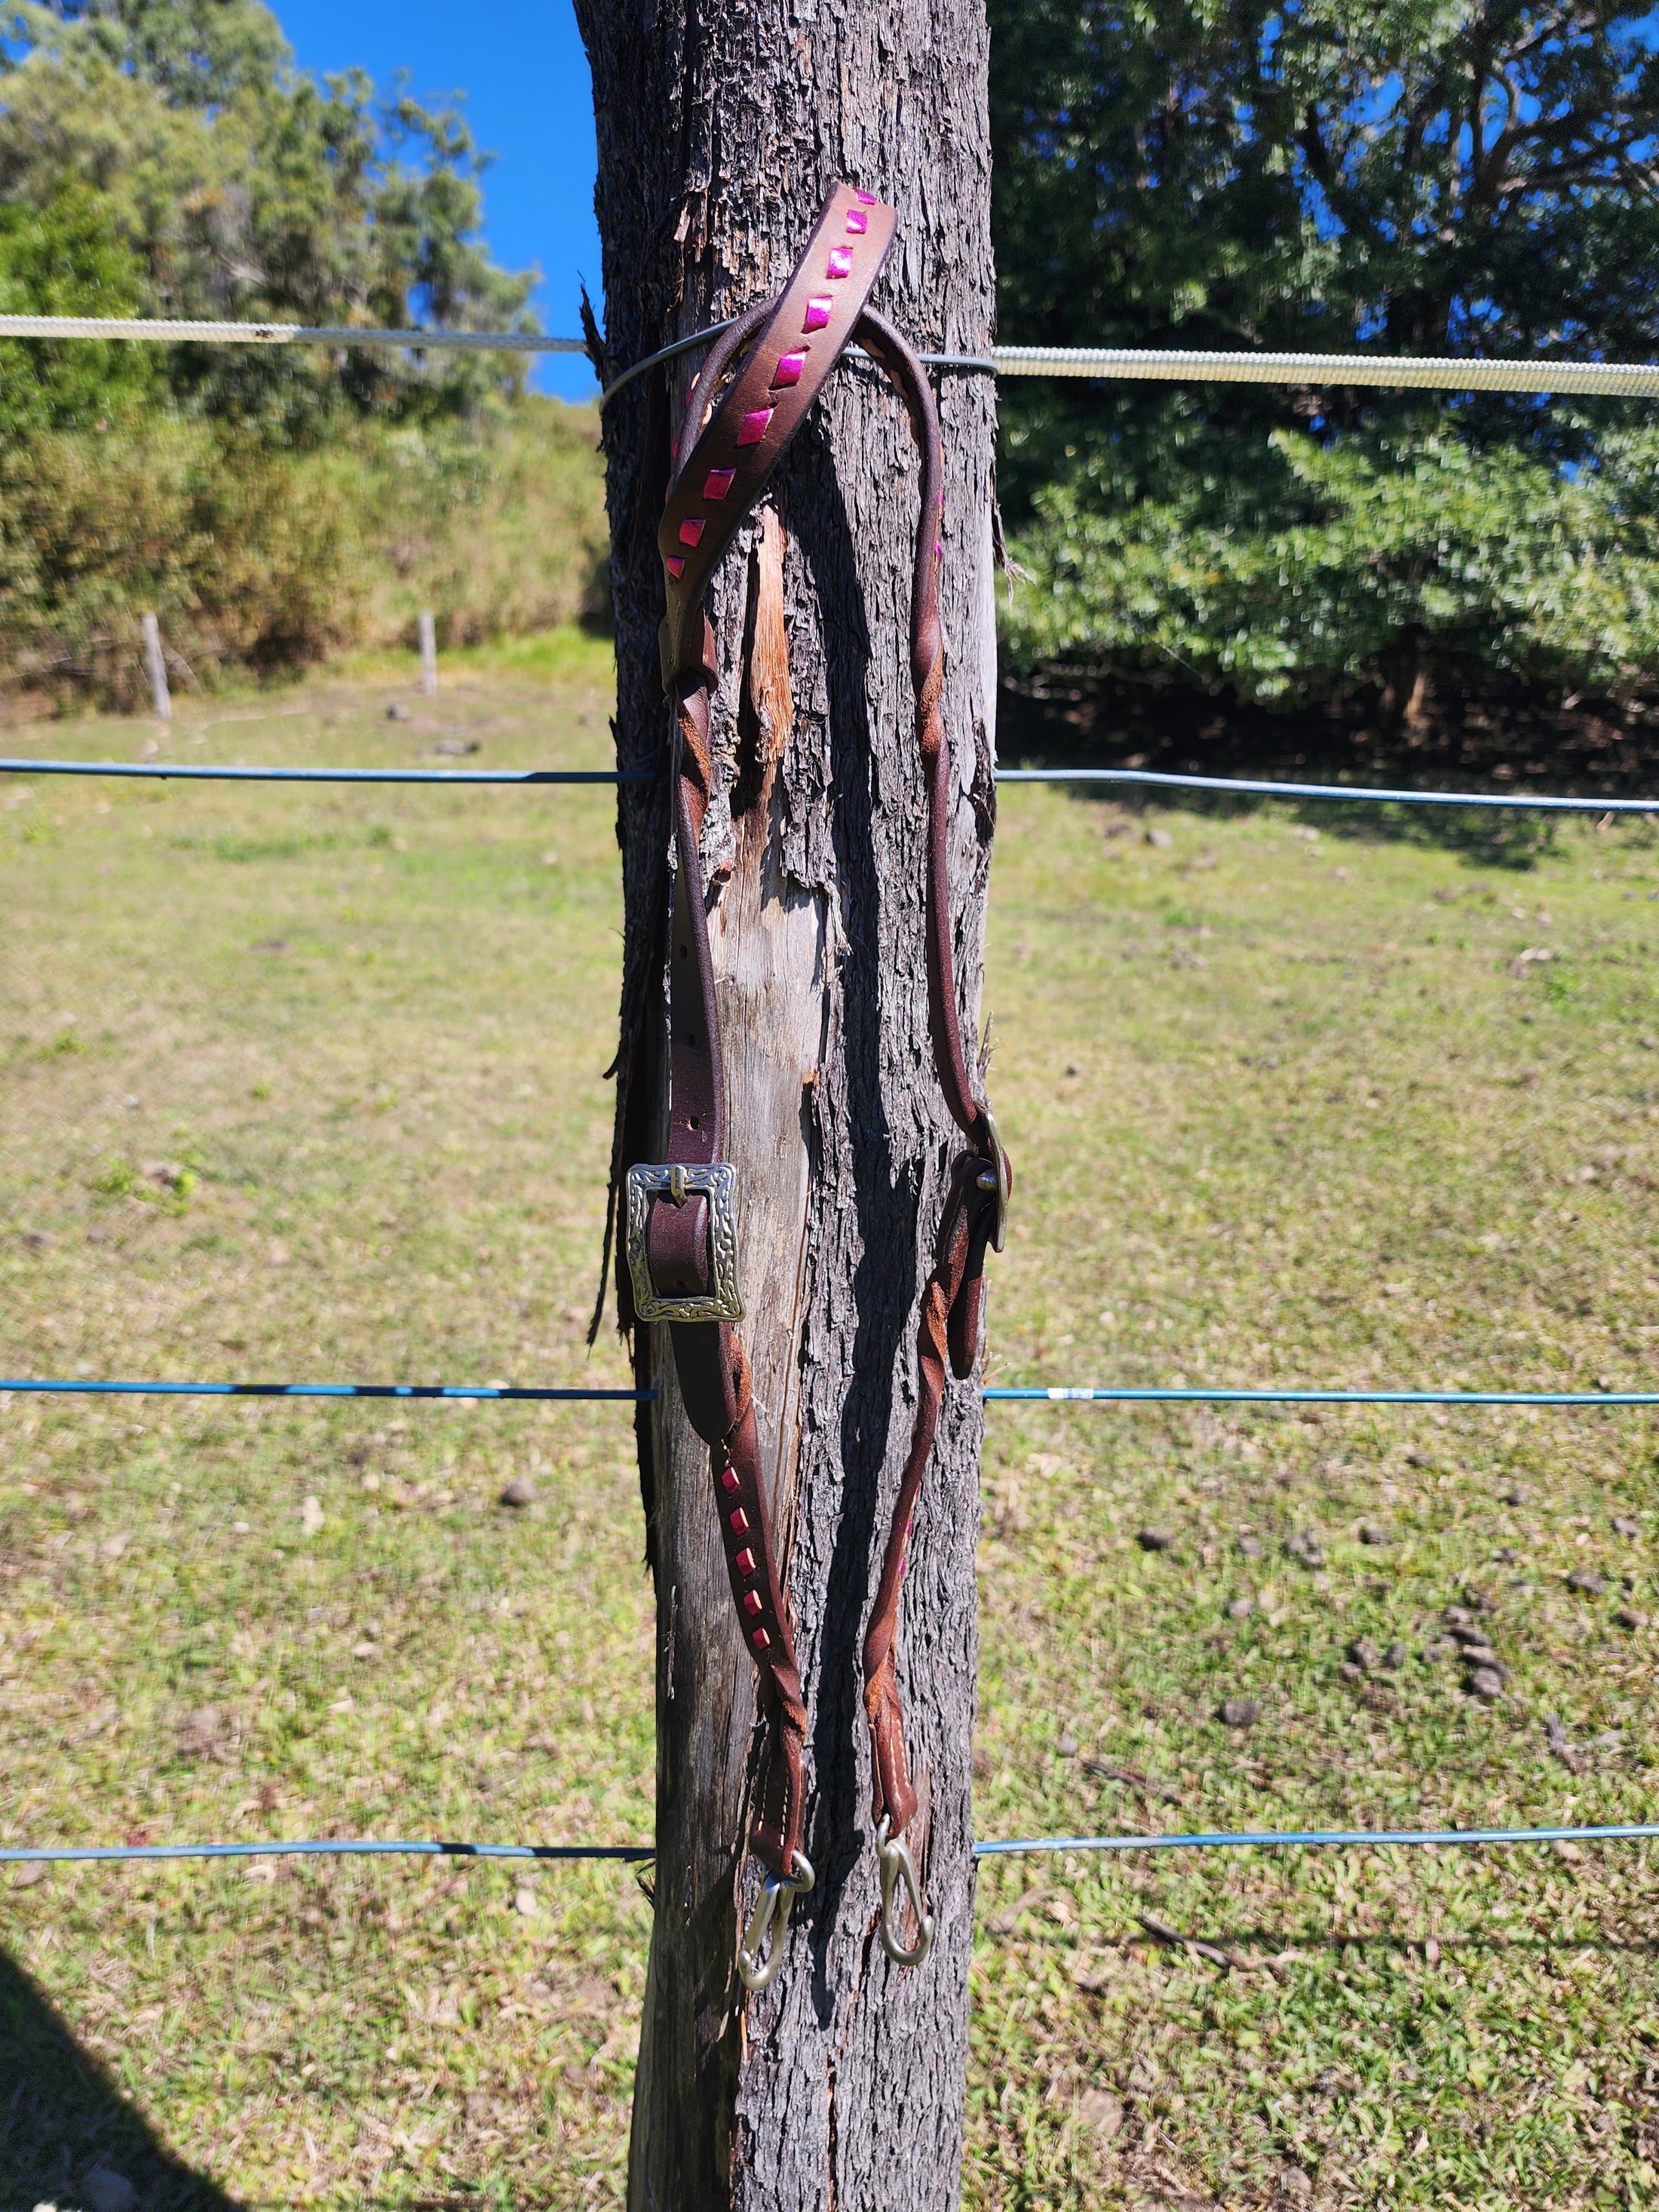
721,477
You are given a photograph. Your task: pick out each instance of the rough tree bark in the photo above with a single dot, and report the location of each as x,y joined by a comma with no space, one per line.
720,131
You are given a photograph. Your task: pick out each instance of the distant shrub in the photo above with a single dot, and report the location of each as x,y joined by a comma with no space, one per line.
261,562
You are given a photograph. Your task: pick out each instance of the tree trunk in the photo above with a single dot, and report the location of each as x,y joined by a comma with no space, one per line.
720,131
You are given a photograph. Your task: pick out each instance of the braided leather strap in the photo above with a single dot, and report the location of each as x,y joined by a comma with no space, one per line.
682,1225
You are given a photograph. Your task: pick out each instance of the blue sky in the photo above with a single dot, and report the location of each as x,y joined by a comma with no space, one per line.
529,102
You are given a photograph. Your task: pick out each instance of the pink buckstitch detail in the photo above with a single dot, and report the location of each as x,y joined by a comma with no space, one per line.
840,261
692,529
729,1482
818,312
674,563
760,1639
857,222
752,429
789,369
718,484
751,1604
867,199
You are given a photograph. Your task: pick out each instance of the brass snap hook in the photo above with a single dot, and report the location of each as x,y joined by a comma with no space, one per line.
897,1865
997,1177
771,1916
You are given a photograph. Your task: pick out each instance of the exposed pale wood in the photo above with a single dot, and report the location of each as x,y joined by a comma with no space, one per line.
720,131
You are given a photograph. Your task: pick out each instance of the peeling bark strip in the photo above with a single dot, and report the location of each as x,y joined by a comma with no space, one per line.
720,131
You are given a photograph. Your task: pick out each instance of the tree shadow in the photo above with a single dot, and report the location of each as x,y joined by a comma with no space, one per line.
62,2117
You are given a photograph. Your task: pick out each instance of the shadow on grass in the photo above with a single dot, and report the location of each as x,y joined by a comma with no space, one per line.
62,2119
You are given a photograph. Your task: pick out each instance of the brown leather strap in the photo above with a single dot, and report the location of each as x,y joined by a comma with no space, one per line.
793,343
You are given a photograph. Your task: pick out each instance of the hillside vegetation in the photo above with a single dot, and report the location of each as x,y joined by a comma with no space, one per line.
163,157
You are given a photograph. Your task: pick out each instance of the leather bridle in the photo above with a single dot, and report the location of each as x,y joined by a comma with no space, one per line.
682,1235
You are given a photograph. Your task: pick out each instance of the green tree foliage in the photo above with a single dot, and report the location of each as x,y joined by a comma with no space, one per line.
246,191
1439,176
163,157
67,258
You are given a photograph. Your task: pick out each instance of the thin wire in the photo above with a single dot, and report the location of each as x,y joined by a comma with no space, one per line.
1055,1395
532,1394
151,331
969,361
1137,363
195,772
1410,372
1110,1396
1316,1838
1253,787
1238,786
313,1849
1263,1840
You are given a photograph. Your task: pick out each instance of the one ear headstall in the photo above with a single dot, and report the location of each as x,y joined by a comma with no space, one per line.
681,1223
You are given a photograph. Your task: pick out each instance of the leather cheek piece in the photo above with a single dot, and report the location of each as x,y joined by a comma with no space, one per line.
676,1239
895,1795
714,1391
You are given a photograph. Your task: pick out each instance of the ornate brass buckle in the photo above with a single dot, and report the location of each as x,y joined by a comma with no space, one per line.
718,1183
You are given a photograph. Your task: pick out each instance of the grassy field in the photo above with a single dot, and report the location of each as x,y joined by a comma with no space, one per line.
307,1083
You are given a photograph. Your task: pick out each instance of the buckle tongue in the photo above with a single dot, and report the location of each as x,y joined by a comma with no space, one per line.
718,1183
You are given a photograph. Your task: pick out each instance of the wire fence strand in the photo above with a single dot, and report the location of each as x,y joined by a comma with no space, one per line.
1158,364
1051,1394
1010,1847
1225,786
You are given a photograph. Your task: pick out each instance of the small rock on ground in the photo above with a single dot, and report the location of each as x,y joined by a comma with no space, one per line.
518,1492
1241,1712
1154,1539
1624,1526
1099,2109
524,1902
1628,1616
1374,1532
1514,1495
311,1516
1250,1547
1364,1652
1241,1608
1486,1682
1158,837
1590,1584
1396,1654
1067,1746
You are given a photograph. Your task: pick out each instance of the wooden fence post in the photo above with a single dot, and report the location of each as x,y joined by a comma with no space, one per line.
161,697
429,655
720,131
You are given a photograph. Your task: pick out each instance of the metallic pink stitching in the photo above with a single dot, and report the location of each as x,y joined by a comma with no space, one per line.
788,370
692,529
840,261
818,312
718,484
752,429
674,563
